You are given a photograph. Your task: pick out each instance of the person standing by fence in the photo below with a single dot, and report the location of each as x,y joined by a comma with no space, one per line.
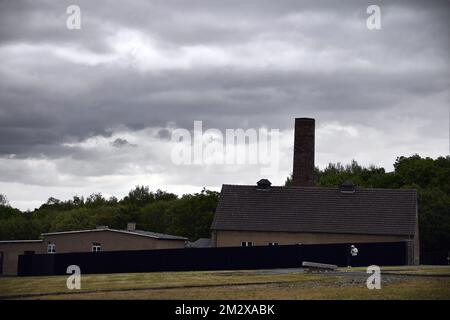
352,252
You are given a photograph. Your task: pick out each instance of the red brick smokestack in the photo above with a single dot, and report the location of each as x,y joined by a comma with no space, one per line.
303,171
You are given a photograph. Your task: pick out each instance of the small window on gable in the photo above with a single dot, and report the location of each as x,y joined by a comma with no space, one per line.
96,247
51,248
246,244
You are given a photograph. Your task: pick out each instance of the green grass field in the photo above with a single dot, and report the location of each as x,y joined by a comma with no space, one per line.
397,283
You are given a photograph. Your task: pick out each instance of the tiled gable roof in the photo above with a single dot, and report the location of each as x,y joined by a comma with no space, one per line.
314,209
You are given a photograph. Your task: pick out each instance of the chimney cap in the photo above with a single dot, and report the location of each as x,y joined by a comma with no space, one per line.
263,184
347,187
305,119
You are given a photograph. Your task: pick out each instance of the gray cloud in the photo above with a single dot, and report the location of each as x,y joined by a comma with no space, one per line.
120,143
232,64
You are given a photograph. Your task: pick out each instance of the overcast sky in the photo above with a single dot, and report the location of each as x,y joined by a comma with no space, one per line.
92,110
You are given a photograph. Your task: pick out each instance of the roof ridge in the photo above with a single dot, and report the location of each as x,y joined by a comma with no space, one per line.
322,187
20,241
149,234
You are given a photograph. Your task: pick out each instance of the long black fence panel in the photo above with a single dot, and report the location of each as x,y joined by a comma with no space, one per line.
227,258
36,264
435,257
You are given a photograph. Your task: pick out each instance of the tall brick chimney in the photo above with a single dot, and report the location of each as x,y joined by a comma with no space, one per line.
303,171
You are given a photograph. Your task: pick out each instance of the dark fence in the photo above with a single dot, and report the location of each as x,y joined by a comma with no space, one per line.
229,258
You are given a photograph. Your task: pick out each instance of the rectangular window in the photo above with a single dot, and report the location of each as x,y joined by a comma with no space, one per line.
246,244
96,247
273,243
51,248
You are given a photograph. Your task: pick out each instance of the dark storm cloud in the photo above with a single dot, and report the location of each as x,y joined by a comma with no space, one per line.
120,143
281,59
234,99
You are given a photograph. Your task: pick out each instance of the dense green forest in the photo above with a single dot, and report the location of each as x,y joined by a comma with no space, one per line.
191,215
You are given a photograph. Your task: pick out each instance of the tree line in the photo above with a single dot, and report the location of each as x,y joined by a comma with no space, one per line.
191,215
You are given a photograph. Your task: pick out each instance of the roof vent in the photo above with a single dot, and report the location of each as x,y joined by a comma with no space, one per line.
263,184
347,187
